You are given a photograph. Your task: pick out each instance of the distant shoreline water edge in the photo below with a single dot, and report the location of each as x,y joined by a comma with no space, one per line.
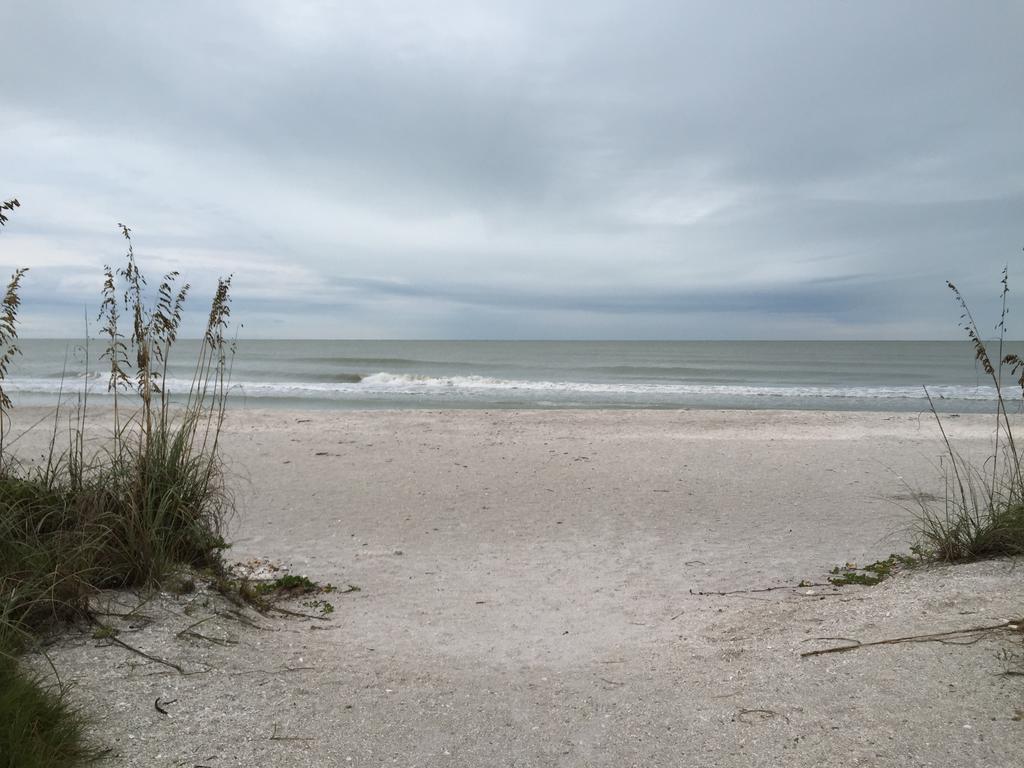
845,375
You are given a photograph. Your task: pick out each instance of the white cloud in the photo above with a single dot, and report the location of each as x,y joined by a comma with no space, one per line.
422,170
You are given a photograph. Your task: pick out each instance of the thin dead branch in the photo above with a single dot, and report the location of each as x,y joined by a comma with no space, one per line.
275,737
143,654
948,638
801,585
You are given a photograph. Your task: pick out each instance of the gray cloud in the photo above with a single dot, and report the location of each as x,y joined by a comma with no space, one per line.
658,170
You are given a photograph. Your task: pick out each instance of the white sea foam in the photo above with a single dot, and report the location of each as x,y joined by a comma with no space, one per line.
384,384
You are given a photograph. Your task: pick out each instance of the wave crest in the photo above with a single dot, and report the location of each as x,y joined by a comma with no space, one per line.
383,384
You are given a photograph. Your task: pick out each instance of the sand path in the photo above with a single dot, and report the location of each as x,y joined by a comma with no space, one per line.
526,600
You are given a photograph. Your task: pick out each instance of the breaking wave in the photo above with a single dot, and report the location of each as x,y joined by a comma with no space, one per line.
402,385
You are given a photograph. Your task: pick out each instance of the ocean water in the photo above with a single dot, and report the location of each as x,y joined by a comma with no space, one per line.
846,375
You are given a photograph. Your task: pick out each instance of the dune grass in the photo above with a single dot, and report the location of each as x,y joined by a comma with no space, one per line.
39,728
981,514
130,514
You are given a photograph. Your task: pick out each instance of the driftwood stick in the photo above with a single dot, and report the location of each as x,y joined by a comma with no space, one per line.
275,737
269,671
802,585
931,637
240,618
145,655
286,612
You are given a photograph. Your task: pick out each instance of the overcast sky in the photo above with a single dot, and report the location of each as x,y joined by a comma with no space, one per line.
566,169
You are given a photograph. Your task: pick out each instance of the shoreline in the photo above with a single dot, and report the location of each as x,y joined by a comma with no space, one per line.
944,406
528,587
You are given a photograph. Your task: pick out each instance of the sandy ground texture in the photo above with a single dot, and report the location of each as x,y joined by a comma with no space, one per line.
528,597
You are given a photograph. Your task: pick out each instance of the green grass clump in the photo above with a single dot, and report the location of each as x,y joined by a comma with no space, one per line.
129,515
982,511
982,528
39,728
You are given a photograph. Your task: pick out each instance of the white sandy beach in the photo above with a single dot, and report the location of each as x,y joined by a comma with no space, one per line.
527,599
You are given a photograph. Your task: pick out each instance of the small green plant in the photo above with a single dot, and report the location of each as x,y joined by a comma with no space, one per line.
846,578
876,572
322,606
104,632
288,585
264,595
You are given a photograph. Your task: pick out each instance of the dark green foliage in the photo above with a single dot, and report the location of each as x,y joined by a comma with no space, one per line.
38,726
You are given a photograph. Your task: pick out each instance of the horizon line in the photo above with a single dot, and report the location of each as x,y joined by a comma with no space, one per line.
547,341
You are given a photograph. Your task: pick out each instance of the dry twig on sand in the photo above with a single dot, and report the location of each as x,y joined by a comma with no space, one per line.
950,637
801,585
